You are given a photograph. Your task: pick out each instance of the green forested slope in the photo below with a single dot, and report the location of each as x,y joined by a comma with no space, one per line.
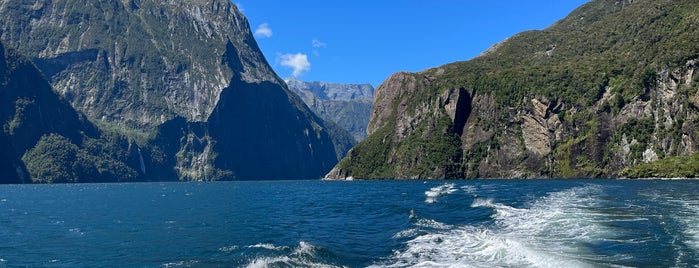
611,86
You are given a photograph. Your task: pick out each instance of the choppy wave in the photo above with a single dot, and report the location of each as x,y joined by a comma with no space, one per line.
303,255
269,246
551,232
437,191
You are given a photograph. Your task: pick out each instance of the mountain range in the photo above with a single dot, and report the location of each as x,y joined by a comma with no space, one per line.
347,105
611,87
169,90
145,90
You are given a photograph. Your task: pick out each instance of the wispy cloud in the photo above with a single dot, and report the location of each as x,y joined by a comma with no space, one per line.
240,6
297,62
263,31
318,43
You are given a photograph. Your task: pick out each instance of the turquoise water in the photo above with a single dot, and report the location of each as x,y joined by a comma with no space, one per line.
477,223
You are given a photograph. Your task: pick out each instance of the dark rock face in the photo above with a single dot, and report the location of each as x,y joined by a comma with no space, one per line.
611,86
29,109
244,125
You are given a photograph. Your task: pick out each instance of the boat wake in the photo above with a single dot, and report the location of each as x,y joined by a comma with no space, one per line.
551,232
683,217
690,220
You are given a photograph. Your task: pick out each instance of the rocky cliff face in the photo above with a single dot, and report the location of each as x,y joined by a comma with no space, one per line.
613,85
347,105
171,76
136,63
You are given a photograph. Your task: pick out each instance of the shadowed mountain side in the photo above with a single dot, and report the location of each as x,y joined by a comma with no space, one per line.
266,138
29,109
44,139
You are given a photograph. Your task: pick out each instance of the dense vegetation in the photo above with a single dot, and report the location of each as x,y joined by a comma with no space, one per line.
617,79
672,167
55,159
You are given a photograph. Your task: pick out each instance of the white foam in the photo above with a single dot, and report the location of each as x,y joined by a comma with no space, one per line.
268,246
428,223
405,233
437,191
550,232
265,262
502,211
188,263
228,249
303,255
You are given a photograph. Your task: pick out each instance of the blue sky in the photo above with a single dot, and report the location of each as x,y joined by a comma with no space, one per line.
365,41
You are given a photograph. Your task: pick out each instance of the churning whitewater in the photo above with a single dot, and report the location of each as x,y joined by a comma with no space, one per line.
477,223
551,231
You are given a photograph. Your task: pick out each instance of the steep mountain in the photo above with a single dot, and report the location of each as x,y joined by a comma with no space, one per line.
43,138
611,86
136,62
172,76
347,105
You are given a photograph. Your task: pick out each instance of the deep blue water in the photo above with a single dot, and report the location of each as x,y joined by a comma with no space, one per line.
477,223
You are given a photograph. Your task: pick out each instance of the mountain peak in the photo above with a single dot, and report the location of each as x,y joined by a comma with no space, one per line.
333,91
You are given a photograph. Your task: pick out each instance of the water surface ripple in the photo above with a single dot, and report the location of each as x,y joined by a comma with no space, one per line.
474,223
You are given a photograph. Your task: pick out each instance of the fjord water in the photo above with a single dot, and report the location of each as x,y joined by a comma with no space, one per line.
477,223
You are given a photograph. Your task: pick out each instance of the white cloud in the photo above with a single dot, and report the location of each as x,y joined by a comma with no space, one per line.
298,62
240,6
263,31
318,43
